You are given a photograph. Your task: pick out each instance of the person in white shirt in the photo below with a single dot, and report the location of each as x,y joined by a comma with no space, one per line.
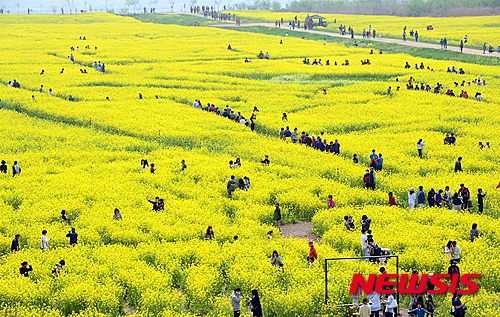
455,251
412,197
364,310
420,147
44,241
390,305
375,304
363,239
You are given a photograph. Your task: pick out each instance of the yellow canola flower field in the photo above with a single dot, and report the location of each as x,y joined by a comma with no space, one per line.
83,156
479,29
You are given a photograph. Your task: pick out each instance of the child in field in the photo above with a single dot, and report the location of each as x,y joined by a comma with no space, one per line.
44,241
152,169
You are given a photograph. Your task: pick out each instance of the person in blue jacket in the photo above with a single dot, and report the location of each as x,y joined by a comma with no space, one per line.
421,197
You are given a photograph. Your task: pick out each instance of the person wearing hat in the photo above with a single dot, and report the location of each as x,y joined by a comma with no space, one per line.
235,301
25,268
412,198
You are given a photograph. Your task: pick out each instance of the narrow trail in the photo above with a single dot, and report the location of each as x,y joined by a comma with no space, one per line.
470,51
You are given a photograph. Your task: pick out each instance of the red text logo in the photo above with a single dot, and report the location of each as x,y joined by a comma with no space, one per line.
415,284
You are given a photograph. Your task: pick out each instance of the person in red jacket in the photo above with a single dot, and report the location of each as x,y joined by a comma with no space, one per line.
312,251
392,200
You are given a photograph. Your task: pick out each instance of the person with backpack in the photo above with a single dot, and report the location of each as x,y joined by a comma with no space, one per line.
373,159
366,179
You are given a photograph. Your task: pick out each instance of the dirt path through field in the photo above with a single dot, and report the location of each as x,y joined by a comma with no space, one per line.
231,24
298,230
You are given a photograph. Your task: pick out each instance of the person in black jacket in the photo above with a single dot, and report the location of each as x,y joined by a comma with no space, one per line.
255,302
25,269
155,203
15,243
3,167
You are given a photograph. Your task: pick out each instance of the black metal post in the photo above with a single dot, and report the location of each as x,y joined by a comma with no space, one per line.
397,285
326,281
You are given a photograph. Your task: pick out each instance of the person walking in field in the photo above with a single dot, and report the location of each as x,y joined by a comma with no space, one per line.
231,186
44,241
366,179
458,165
421,197
480,199
457,202
3,167
152,168
412,198
15,243
73,237
313,255
235,302
465,194
461,46
183,165
416,36
256,308
372,178
420,147
16,169
277,214
431,198
380,162
474,233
